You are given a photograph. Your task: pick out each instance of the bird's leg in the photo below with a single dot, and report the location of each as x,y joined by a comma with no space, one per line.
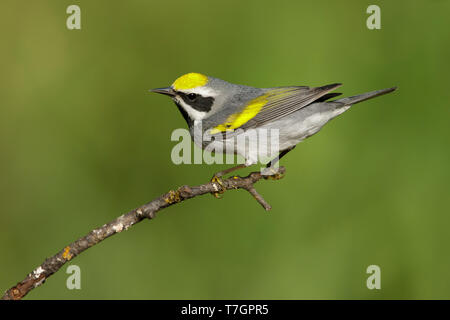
270,167
218,175
227,171
277,158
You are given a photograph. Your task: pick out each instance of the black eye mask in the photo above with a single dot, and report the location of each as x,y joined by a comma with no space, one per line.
197,102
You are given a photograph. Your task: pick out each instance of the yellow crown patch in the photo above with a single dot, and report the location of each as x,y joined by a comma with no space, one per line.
190,81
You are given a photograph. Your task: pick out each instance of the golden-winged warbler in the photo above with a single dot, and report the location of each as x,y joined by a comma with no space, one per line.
227,112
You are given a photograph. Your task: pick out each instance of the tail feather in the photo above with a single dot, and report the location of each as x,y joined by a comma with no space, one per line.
348,101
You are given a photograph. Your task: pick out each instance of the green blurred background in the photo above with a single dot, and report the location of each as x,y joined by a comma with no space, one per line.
82,141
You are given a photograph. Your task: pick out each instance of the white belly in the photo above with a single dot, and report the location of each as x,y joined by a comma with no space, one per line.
258,145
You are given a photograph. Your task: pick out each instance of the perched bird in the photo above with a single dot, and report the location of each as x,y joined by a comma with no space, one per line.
227,112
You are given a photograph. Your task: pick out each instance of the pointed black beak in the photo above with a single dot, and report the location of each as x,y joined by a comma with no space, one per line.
167,91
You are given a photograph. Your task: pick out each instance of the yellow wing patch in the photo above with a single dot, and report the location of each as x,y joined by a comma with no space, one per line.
236,120
190,81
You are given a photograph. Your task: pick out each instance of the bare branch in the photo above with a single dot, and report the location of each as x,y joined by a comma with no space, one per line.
51,265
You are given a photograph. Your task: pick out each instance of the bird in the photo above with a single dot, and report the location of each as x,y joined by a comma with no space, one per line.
226,112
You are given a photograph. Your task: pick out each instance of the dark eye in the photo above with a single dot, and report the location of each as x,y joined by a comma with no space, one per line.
192,96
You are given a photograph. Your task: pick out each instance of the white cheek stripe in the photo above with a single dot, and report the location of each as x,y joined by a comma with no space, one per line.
193,114
203,91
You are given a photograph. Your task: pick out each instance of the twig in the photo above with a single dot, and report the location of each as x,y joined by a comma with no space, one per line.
51,265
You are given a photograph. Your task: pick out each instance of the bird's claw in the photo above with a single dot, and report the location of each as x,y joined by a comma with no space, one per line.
277,176
217,181
272,174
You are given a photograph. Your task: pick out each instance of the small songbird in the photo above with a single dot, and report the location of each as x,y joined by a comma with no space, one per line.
228,111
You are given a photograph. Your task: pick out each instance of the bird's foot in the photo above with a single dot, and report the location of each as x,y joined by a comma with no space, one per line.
219,185
272,173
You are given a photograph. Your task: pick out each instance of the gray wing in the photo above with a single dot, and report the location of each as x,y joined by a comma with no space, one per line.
284,101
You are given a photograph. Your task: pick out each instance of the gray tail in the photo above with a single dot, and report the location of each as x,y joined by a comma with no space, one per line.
365,96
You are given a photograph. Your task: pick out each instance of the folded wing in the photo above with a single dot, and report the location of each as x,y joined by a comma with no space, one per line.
272,105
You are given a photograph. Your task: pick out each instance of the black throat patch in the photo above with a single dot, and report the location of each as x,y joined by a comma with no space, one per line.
186,117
